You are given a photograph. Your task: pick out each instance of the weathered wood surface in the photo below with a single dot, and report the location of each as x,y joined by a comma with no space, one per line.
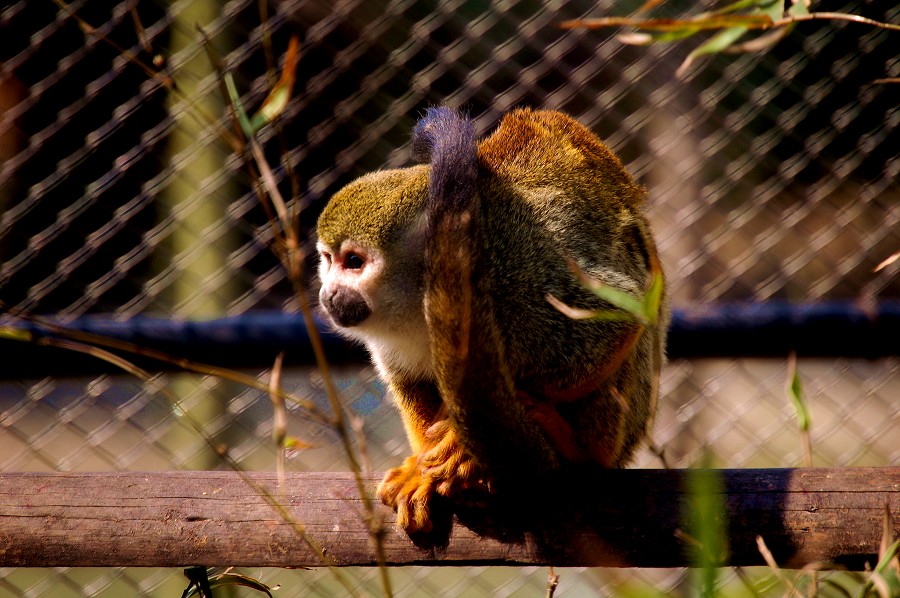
611,518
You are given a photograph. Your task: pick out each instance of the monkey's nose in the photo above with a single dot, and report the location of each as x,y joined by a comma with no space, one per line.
346,307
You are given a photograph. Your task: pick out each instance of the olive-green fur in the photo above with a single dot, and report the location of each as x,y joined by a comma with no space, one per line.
548,189
376,208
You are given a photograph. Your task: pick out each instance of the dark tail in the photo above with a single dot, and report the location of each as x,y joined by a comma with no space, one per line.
446,139
472,375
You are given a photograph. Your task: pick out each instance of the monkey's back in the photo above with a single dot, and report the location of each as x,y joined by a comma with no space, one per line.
550,190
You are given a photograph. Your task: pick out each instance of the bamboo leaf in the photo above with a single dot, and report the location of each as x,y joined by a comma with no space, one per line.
761,42
621,299
588,314
885,562
653,298
796,394
837,587
280,95
637,38
238,106
773,10
799,8
759,7
707,521
717,43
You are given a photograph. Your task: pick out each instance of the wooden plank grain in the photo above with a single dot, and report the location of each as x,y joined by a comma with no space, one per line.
604,518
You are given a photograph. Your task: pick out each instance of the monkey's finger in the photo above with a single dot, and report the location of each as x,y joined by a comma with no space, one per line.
387,490
457,475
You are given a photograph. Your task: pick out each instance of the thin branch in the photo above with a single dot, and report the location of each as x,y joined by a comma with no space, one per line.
834,16
714,21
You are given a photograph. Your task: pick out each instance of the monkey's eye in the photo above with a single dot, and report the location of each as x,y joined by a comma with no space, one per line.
353,261
326,256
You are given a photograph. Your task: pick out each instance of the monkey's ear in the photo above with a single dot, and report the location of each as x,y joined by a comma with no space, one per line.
444,126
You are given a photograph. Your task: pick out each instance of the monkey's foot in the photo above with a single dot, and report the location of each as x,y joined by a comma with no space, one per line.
458,476
444,469
409,492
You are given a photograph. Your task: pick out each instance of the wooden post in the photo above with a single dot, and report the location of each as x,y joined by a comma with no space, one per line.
610,518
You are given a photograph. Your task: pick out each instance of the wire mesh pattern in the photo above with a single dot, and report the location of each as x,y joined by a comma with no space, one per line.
769,176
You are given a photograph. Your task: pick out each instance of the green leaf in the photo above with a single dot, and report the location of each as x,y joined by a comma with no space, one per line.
701,22
280,95
238,106
706,520
838,588
620,299
667,37
798,8
773,10
275,104
880,570
885,560
718,42
795,392
653,298
742,4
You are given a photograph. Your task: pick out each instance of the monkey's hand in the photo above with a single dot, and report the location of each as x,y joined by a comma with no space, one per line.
443,468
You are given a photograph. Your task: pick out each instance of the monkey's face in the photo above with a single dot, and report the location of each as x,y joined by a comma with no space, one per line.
371,266
349,275
371,251
375,296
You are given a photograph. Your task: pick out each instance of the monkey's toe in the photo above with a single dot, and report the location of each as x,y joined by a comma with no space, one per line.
395,480
409,492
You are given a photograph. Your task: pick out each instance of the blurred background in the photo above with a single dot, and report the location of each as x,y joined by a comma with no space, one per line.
771,180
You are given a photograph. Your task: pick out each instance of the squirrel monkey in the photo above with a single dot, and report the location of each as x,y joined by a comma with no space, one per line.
444,270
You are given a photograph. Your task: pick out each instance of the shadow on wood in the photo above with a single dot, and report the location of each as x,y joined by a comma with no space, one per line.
629,518
609,518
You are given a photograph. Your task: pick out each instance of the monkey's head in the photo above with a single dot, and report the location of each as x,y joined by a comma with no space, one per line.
371,257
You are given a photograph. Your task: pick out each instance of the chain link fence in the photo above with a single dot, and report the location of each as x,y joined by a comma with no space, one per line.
770,177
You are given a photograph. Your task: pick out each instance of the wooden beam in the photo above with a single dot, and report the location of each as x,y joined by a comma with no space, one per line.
608,518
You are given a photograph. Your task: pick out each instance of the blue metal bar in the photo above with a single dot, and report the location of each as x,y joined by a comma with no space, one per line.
251,340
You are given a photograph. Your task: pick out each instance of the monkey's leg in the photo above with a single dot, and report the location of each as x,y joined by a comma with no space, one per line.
442,467
451,466
439,464
445,469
